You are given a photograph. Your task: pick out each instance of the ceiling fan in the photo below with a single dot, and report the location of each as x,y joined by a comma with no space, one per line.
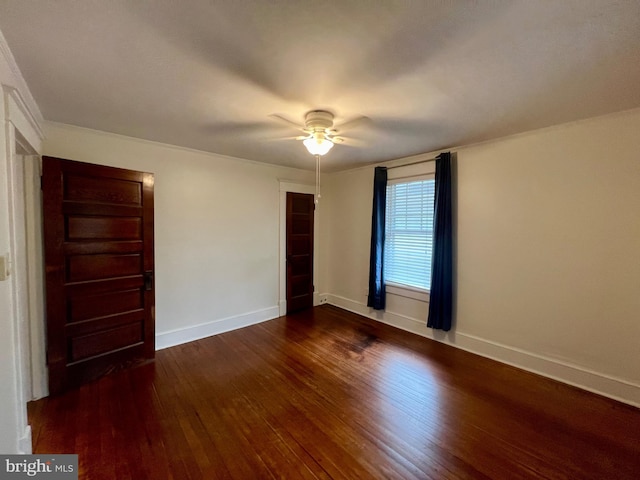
321,134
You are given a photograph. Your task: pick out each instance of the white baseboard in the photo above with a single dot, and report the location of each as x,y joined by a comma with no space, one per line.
586,379
196,332
24,443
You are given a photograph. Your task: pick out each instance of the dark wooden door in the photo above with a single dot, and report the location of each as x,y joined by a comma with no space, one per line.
300,208
98,236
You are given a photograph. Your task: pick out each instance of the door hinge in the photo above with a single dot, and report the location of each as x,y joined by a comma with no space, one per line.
41,182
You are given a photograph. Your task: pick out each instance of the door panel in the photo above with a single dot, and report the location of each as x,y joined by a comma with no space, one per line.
300,211
98,229
107,228
86,346
87,307
87,188
93,267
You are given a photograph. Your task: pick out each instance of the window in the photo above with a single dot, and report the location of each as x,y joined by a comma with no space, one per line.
409,232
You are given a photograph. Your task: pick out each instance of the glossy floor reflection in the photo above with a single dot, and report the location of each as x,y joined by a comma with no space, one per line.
326,394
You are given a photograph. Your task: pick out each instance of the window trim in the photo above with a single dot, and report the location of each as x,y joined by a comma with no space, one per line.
415,293
411,178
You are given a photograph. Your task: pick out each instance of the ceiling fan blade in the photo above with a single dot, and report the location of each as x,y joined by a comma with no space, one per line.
353,123
348,141
277,139
286,121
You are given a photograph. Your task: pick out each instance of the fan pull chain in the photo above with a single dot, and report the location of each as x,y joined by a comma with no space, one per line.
317,179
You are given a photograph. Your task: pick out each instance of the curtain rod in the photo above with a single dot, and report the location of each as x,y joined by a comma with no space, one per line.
413,163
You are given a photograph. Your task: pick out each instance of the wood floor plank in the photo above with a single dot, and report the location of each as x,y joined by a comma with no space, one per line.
327,394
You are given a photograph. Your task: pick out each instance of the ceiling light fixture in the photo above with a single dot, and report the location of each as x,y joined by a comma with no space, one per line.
319,125
318,144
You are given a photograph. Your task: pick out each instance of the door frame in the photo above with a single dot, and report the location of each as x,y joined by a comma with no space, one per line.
290,186
23,147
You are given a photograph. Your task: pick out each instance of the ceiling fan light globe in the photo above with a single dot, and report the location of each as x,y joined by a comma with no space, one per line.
318,146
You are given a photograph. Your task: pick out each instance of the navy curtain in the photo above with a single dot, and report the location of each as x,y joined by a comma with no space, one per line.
441,293
376,268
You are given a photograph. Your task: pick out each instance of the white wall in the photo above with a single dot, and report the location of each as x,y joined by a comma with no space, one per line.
216,229
548,253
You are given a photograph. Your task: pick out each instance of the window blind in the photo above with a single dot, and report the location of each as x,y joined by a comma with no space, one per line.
409,233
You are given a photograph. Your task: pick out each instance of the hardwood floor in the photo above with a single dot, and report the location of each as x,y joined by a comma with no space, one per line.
326,394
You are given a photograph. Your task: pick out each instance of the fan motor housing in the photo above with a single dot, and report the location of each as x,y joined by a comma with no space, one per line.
318,119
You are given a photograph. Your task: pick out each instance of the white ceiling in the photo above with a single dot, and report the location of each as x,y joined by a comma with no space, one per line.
428,75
